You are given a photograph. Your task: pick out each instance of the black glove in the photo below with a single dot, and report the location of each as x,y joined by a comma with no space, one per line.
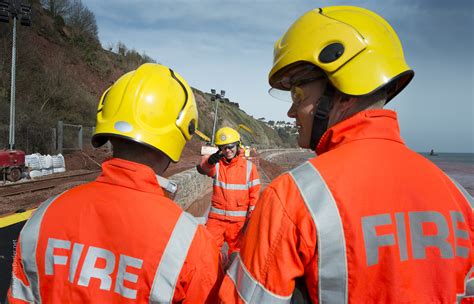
214,158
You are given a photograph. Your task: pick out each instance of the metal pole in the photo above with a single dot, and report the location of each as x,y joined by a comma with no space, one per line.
80,138
215,122
12,92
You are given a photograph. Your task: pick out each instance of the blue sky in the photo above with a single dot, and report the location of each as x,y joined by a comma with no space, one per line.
228,44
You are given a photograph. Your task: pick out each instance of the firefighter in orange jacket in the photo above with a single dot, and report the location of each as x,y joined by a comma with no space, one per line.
236,188
120,238
368,220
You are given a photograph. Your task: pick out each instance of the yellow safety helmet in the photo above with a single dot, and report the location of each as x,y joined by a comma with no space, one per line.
356,49
153,106
227,135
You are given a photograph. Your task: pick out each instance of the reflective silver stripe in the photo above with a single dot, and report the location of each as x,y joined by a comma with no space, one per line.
20,291
249,289
332,263
254,183
249,170
173,258
235,213
228,212
468,282
221,184
248,184
28,242
468,287
167,184
468,196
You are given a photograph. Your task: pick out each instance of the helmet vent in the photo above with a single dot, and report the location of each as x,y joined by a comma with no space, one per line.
331,52
191,127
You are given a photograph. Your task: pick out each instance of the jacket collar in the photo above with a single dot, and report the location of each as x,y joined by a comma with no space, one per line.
369,124
133,175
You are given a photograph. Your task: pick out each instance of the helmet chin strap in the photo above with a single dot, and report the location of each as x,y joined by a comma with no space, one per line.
321,116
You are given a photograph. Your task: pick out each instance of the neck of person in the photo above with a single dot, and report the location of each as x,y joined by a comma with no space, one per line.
139,153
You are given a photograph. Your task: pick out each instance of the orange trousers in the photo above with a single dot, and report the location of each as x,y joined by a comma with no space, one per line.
226,231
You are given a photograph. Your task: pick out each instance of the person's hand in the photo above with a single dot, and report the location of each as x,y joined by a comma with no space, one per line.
214,158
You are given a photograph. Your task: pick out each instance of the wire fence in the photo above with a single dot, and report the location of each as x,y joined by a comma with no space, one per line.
63,138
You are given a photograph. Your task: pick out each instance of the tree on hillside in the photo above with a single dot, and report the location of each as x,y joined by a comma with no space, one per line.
82,18
131,58
57,7
121,48
75,13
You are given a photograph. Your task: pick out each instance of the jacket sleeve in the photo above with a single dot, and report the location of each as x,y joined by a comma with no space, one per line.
202,273
254,189
20,290
272,256
204,167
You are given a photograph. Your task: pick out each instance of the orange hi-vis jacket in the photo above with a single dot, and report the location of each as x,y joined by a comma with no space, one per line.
367,221
117,239
236,188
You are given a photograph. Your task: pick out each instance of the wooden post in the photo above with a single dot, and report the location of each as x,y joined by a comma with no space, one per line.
80,137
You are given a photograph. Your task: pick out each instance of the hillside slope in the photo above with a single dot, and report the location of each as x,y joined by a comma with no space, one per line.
229,114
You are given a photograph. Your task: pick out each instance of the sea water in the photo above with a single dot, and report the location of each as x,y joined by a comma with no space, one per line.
459,166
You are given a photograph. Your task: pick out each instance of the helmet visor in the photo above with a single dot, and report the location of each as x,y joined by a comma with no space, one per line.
293,77
296,92
282,95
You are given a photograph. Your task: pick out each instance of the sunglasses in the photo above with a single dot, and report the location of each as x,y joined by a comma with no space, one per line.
230,147
297,92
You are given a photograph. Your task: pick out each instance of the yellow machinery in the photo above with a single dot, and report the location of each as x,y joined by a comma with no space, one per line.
245,148
202,135
207,149
241,126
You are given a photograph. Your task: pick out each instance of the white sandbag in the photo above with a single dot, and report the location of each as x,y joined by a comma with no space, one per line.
35,173
59,170
46,162
46,171
58,161
49,161
33,161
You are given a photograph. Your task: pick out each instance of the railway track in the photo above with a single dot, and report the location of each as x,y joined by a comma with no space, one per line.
45,183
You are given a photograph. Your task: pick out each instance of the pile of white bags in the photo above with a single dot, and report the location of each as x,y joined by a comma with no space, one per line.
41,165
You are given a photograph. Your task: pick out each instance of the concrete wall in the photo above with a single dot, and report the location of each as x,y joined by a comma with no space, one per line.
191,186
